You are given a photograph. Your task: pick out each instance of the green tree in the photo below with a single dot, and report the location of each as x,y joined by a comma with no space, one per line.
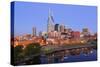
18,51
32,49
33,52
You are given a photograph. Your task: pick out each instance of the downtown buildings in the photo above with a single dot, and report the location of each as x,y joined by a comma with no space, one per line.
56,34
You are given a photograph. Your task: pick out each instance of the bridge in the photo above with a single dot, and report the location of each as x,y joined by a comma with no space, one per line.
58,52
69,47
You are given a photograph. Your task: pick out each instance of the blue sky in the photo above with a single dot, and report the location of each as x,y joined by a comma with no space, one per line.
30,14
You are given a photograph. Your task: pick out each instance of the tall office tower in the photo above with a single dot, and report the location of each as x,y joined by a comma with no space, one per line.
57,27
40,34
69,30
85,32
62,27
50,24
34,31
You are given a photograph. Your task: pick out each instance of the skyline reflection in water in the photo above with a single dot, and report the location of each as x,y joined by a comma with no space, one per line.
92,55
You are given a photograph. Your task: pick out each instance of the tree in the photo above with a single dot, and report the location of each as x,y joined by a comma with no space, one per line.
17,51
32,49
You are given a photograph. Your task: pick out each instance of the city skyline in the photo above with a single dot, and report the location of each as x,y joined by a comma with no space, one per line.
45,33
35,16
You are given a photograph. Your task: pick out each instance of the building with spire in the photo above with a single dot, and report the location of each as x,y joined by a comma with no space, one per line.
50,23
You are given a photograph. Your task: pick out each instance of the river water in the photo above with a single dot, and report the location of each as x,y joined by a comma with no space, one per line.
91,56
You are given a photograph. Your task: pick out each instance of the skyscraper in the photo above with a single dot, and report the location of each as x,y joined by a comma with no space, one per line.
34,31
85,32
62,27
40,34
57,27
50,24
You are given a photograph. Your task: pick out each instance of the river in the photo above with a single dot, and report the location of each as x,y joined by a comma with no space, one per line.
91,56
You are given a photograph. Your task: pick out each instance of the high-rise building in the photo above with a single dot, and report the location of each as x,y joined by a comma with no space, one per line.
57,28
50,24
40,34
69,30
34,31
85,32
62,27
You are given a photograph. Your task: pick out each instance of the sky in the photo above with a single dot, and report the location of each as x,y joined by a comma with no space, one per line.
31,14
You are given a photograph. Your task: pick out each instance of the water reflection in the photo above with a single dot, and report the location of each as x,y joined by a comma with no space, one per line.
70,56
